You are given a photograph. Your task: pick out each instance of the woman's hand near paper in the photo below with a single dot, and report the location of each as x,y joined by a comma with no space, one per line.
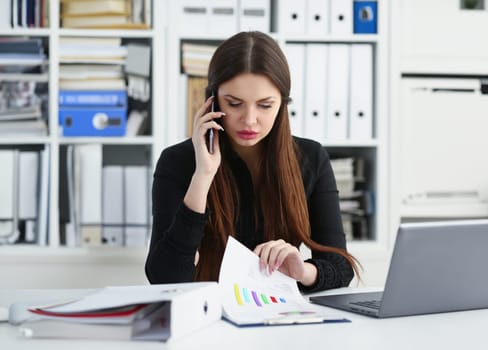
286,258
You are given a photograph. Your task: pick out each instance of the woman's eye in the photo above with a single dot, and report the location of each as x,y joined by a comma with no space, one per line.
234,104
265,106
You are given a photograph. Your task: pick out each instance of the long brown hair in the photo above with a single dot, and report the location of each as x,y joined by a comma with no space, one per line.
281,196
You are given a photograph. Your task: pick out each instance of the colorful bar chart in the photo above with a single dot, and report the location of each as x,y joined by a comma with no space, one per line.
244,296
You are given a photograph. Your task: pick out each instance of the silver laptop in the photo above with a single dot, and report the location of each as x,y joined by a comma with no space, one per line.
435,267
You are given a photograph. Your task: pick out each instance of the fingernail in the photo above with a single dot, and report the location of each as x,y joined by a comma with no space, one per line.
222,114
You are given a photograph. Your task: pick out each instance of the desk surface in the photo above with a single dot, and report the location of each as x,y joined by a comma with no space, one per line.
456,330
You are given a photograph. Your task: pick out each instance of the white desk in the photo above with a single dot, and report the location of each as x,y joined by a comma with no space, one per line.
457,330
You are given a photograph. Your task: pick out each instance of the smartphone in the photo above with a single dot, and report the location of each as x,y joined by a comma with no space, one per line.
211,132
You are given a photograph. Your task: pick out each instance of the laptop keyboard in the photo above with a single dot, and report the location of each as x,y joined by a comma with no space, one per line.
372,304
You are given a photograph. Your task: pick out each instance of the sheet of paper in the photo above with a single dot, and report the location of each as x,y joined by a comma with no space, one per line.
250,296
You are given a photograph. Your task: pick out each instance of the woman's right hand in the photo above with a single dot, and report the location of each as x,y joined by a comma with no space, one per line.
207,163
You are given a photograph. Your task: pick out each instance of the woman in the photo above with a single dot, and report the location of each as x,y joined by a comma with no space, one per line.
268,189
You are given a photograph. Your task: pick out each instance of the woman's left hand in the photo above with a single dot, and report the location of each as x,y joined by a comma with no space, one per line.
286,258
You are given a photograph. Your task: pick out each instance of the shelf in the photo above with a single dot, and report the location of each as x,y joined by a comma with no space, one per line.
24,140
352,143
25,254
138,140
353,38
40,32
123,33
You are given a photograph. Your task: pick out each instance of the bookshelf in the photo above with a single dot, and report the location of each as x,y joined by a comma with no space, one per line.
43,263
124,265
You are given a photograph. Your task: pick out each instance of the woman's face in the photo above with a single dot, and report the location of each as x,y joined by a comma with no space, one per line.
251,103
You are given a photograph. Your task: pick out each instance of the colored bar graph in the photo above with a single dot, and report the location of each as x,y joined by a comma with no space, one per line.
245,296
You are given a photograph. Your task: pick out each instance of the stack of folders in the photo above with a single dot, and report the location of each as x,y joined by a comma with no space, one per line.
93,92
223,18
195,58
153,312
332,91
355,199
322,17
102,204
23,87
24,193
126,14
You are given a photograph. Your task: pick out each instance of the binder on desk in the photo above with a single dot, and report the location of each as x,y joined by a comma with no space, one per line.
365,17
316,90
361,92
291,16
338,90
341,17
254,15
295,54
153,313
317,17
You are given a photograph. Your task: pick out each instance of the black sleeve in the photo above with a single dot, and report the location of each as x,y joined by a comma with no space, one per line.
334,271
176,230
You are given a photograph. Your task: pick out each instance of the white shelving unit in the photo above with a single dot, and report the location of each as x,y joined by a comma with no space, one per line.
429,55
57,266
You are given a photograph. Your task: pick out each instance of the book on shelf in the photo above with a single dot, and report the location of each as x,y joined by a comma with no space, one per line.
24,14
95,8
355,200
91,63
195,58
115,14
103,204
21,52
251,297
23,197
91,71
23,108
92,84
146,313
138,75
194,100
